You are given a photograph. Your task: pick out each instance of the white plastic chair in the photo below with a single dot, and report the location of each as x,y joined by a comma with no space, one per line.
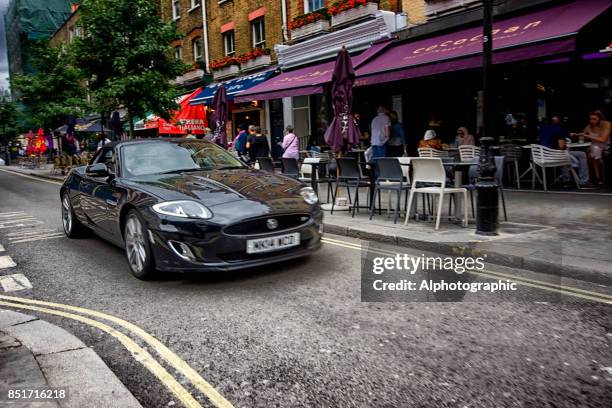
429,152
545,158
405,162
431,171
305,172
467,153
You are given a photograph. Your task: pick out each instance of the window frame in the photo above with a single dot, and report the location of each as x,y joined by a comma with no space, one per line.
308,9
176,9
194,4
178,52
226,35
198,57
258,22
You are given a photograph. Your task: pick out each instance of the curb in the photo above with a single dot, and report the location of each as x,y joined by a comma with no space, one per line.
41,355
32,174
495,258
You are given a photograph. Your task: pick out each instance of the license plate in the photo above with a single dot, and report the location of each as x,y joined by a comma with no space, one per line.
269,244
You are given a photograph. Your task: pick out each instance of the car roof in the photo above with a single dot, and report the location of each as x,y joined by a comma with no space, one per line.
143,141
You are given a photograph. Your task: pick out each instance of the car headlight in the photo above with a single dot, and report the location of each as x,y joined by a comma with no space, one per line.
183,209
309,195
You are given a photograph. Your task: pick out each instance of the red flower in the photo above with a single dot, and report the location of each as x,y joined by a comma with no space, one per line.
343,5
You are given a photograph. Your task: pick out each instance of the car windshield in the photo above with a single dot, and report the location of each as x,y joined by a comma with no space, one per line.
141,159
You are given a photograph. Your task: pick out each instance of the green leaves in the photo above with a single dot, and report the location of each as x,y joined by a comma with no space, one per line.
8,121
126,55
55,89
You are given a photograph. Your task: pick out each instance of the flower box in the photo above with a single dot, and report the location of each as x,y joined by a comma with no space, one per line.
309,30
355,14
257,62
227,71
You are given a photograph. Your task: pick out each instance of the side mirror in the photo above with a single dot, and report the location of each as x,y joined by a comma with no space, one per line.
97,170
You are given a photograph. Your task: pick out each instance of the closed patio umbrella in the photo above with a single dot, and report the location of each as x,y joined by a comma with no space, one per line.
343,127
220,116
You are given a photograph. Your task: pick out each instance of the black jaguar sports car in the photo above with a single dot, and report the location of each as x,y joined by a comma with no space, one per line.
188,205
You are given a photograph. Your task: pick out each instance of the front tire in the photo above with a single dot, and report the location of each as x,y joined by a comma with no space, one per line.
72,226
137,247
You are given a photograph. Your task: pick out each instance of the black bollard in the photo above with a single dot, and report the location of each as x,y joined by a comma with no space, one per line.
488,194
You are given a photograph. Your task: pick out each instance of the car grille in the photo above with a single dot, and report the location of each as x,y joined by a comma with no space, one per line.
259,225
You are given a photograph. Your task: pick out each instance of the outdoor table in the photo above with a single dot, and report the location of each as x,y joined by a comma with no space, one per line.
316,164
584,145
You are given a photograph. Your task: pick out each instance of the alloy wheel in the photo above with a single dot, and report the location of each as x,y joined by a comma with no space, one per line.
66,215
135,244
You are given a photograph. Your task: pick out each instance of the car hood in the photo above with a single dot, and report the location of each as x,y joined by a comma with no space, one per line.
223,186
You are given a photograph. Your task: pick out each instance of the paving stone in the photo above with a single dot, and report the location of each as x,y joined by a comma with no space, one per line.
44,338
87,378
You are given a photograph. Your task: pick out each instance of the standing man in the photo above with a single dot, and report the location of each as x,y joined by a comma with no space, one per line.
258,145
381,133
241,141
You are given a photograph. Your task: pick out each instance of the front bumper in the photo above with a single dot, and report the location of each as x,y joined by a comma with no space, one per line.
214,250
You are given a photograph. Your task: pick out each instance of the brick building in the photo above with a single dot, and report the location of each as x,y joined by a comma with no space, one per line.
236,27
68,31
188,15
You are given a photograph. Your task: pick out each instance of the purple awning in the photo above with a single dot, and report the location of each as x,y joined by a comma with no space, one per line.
538,34
304,81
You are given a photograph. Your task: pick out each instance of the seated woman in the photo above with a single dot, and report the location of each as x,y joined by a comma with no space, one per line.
431,140
598,130
464,138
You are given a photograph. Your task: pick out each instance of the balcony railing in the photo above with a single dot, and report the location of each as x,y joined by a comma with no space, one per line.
434,8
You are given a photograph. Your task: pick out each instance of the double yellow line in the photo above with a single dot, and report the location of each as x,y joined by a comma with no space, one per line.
141,355
533,283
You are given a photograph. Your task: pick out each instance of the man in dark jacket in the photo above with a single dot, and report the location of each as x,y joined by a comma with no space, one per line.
257,145
241,141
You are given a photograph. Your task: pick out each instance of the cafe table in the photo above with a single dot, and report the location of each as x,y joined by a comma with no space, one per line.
459,169
316,164
579,146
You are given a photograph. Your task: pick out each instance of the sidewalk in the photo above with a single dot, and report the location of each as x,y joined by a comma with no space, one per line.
558,233
44,172
36,355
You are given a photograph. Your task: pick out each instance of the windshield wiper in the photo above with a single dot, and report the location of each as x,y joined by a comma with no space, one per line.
182,170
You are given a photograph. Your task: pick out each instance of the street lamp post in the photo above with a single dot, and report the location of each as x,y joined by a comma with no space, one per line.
488,199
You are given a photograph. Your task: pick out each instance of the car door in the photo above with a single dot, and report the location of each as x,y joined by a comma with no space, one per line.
98,192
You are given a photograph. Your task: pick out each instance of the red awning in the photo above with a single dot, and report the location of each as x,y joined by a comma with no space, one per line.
542,33
188,117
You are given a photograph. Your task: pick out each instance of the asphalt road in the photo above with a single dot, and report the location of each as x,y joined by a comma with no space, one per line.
298,335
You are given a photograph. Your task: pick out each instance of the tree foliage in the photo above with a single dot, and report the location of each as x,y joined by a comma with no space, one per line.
54,90
8,121
127,57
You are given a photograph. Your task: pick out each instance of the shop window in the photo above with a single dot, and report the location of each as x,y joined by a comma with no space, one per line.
259,33
301,118
229,43
178,53
312,5
197,49
176,9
